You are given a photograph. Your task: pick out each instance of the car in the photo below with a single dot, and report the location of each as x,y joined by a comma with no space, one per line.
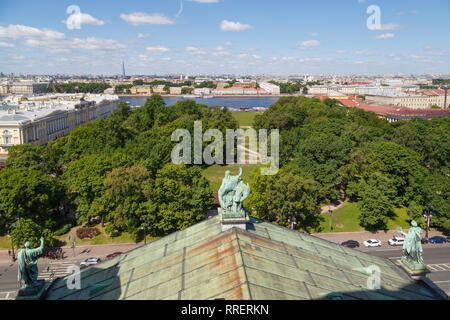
424,240
438,239
89,262
448,239
350,244
396,241
372,243
113,255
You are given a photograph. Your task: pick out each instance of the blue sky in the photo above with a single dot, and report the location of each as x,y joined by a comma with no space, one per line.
224,36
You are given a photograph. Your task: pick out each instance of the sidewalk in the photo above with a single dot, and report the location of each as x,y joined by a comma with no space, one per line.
383,236
84,252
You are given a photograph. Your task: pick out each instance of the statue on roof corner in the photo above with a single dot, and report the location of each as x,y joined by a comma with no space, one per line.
412,247
232,193
28,270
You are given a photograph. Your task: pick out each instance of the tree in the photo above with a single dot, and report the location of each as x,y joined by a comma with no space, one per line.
85,182
29,194
283,197
375,210
27,230
415,212
182,196
127,198
24,157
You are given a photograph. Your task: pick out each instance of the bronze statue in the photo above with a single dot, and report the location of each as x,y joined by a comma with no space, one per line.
232,194
412,247
27,268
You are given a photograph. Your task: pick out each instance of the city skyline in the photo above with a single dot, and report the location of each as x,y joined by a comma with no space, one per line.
219,37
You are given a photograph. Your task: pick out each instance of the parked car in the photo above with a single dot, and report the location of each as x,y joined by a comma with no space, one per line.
438,239
372,243
89,262
424,240
448,239
396,241
350,244
113,255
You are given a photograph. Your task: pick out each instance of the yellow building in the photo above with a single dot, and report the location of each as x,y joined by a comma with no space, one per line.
145,89
42,119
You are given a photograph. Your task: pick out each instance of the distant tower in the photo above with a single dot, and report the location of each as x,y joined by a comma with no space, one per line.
123,70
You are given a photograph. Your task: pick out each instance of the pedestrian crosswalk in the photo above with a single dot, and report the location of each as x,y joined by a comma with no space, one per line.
439,267
56,269
10,295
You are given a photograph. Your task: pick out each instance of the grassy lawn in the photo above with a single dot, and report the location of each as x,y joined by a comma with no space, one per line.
245,119
5,243
103,238
215,173
348,216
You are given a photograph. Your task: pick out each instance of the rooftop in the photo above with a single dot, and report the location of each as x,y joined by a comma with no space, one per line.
264,262
20,109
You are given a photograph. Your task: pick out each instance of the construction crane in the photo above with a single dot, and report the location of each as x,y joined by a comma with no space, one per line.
56,87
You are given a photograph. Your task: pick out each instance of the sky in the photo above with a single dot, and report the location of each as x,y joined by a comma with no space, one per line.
225,37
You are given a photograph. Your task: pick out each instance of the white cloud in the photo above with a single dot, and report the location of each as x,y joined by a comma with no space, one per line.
143,36
221,53
246,55
385,36
20,31
16,56
83,18
313,34
310,43
191,49
158,50
141,18
231,26
390,26
97,44
6,45
228,44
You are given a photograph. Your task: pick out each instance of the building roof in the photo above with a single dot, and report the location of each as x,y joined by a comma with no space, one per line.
37,107
264,262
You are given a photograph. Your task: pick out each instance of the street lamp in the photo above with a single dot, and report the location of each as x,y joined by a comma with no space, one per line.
331,213
13,256
427,216
144,228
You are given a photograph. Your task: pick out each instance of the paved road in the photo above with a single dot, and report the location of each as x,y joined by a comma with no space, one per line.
53,268
435,256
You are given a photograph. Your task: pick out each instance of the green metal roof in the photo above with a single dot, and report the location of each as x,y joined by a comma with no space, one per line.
265,262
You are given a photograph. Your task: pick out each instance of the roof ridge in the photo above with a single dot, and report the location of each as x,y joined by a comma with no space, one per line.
244,267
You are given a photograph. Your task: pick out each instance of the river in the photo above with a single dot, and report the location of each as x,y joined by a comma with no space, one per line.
230,102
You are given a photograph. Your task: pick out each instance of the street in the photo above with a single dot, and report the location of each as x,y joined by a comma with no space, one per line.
436,256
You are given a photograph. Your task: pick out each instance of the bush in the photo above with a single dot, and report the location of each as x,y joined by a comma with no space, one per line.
87,233
63,230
